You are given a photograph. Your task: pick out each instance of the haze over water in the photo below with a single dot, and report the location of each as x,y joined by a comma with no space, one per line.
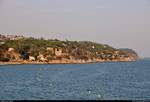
120,23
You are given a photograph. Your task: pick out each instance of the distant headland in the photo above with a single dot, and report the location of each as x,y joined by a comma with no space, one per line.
28,50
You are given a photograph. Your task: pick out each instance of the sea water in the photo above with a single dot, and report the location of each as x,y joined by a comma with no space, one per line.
96,81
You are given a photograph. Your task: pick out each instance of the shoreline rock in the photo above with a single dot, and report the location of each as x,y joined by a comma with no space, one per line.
63,62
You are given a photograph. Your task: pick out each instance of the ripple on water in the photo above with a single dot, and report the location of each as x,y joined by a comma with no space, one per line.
89,81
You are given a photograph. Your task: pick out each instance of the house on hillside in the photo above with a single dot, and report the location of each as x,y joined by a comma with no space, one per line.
51,49
58,51
11,49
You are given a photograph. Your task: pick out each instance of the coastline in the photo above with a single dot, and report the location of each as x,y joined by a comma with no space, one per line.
51,51
62,62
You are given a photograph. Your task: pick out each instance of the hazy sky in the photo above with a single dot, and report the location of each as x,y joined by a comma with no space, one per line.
120,23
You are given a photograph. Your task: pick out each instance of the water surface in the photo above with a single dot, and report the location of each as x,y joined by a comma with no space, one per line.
98,81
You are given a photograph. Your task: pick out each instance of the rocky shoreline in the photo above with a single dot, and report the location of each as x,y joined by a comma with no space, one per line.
64,62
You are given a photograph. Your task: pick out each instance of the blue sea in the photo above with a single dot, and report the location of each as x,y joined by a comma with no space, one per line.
96,81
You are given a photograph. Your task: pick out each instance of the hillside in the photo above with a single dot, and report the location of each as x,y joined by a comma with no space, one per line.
52,50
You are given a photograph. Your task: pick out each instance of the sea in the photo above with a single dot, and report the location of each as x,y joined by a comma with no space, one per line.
96,81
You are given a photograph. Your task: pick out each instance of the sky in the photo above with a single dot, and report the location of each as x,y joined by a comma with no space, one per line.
119,23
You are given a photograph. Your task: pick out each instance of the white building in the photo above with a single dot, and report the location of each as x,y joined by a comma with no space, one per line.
11,49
